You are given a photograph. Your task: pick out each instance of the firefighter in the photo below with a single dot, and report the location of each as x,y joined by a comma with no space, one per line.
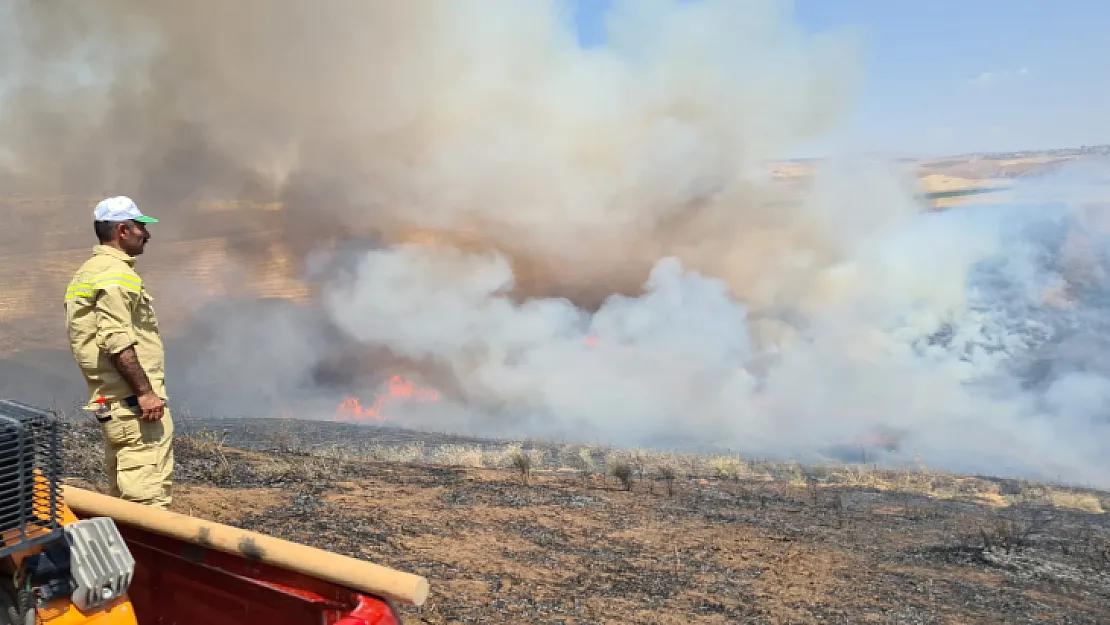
113,334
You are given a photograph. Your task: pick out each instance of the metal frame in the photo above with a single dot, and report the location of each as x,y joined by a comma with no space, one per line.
30,470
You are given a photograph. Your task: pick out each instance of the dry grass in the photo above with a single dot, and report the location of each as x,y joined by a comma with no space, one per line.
1085,502
513,532
626,466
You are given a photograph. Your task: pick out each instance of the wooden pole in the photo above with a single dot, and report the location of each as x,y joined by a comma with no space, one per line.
372,579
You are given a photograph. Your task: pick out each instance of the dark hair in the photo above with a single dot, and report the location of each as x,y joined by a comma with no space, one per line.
104,230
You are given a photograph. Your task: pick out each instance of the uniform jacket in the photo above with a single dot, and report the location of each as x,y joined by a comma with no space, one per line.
107,310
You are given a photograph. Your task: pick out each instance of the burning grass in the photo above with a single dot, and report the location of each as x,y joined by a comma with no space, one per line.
519,531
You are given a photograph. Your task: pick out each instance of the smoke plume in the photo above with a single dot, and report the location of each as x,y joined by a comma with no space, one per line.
566,241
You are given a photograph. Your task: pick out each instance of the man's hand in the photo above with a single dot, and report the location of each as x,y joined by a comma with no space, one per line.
127,363
152,406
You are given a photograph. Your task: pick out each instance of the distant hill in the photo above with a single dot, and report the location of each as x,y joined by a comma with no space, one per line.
949,181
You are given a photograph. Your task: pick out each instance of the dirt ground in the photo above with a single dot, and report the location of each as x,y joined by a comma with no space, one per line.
584,547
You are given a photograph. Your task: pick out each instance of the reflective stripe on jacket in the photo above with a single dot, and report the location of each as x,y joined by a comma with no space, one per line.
107,310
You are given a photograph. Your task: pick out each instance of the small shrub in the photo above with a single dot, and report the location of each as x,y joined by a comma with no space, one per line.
207,441
522,462
725,467
204,444
404,454
342,452
585,463
1011,532
638,460
622,470
285,441
692,463
794,473
273,469
503,457
668,474
314,468
458,456
858,475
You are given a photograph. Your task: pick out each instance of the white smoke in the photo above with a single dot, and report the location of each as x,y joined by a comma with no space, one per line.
929,320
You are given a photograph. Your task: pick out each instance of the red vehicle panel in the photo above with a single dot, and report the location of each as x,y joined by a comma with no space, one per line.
183,584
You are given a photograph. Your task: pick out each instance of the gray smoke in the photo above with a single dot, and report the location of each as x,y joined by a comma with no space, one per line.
971,334
568,242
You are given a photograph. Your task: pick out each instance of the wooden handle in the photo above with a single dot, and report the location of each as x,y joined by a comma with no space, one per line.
366,577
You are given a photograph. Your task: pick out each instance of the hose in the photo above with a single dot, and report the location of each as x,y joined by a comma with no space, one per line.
9,614
25,606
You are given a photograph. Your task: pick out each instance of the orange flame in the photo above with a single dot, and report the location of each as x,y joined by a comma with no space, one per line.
398,388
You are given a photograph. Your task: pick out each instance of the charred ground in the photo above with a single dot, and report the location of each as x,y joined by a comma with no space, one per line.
565,534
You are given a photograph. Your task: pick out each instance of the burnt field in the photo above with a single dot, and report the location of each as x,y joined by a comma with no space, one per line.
529,533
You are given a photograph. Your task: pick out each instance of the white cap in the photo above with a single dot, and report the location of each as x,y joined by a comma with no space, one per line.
120,208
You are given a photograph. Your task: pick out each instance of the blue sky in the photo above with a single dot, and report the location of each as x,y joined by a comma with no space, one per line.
948,76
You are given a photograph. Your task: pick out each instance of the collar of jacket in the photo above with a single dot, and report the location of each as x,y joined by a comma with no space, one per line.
108,250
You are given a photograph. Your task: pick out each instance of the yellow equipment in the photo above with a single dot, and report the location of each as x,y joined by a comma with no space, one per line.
54,568
70,556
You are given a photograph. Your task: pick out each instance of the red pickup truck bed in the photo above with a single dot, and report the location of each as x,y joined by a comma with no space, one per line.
184,584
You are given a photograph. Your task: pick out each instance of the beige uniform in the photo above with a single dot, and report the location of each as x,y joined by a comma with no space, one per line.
108,310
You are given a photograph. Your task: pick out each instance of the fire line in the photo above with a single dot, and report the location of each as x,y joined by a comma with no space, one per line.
398,388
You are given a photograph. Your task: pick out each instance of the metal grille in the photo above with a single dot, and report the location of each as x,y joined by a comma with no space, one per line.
30,466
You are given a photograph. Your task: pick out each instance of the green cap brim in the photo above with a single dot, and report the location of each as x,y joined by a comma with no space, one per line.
146,220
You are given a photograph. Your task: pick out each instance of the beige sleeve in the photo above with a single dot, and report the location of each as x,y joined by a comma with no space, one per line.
113,315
